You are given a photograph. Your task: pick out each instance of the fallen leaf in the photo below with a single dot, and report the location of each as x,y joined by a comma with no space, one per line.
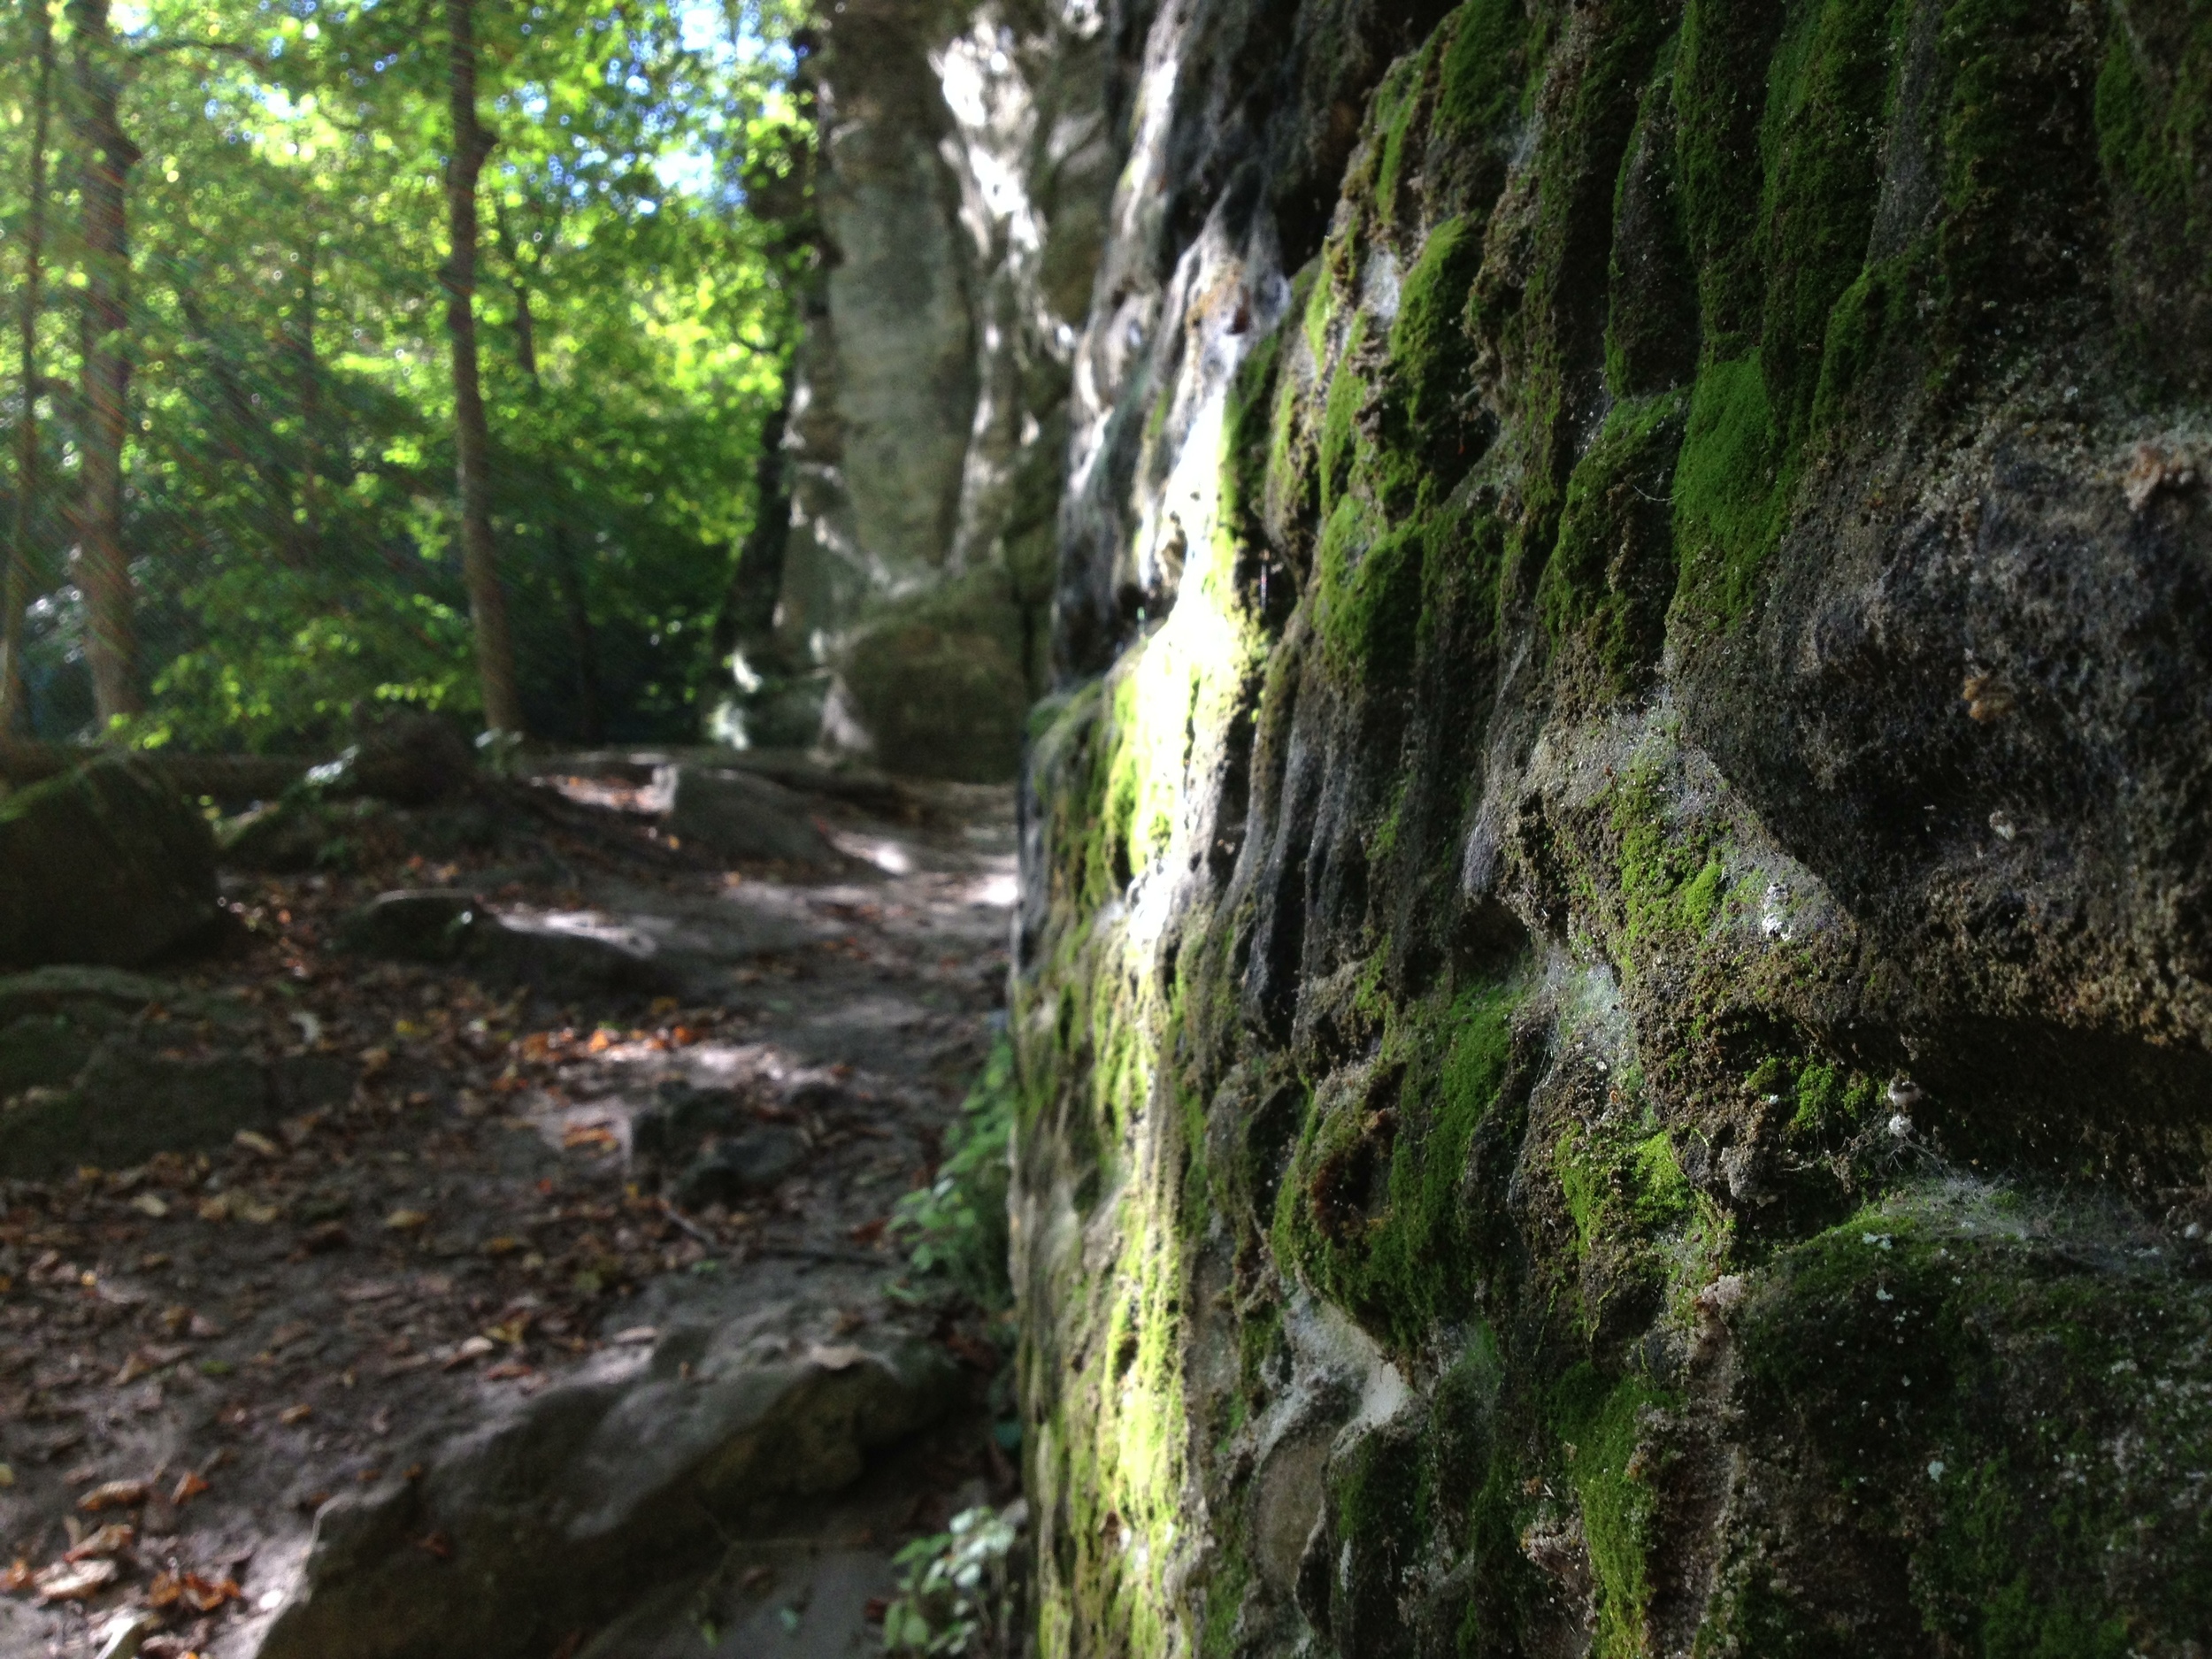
204,1595
16,1576
374,1060
7,1477
437,1544
636,1336
150,1204
868,1232
600,1135
113,1494
330,1235
189,1486
373,1291
105,1540
216,1209
254,1142
506,1371
505,1244
75,1581
474,1349
260,1213
406,1220
299,1413
836,1356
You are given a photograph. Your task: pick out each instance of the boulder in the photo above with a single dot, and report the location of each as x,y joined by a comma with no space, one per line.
740,1166
129,1102
559,955
557,1515
105,864
737,815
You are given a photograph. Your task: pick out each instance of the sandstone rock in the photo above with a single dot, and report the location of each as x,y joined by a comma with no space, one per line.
570,1508
104,864
734,814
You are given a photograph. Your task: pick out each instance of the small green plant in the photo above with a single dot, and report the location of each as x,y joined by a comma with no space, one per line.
957,1589
956,1228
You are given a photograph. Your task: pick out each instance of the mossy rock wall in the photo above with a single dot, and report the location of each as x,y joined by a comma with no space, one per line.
1612,985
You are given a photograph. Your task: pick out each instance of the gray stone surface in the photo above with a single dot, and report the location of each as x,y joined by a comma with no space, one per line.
735,814
129,1101
568,1508
965,166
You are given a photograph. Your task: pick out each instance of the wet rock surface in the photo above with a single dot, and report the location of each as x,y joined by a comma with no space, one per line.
435,1302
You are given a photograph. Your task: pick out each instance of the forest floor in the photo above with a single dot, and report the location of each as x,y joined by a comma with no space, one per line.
210,1350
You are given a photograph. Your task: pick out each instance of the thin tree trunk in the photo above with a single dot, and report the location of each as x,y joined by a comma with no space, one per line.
307,525
252,442
479,566
15,587
105,572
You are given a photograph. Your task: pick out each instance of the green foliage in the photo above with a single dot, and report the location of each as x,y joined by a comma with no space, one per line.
289,470
956,1226
956,1597
1479,90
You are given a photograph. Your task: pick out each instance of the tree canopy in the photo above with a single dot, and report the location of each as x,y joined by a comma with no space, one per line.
264,328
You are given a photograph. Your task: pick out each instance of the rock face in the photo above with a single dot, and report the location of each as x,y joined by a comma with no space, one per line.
737,815
1612,995
964,169
577,1502
105,865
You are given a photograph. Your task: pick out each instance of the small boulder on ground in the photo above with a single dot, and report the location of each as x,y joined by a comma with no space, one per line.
736,1167
105,864
734,814
448,926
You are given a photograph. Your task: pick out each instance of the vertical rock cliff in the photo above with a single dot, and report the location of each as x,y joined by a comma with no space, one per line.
964,174
1612,989
1613,985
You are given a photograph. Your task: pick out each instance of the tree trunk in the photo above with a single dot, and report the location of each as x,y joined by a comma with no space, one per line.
106,157
15,587
480,567
307,537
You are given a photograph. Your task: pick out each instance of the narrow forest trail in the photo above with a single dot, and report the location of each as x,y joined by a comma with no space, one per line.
440,1321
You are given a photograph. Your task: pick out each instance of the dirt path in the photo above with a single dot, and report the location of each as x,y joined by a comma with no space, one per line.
429,1310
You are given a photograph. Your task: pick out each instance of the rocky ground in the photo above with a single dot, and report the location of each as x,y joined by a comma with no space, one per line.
534,1310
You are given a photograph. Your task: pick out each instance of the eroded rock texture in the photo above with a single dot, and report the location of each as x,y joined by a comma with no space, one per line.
1612,987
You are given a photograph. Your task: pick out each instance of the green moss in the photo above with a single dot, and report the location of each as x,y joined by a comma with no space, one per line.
1429,350
1827,89
1732,484
1670,878
1371,1212
2009,1404
1651,340
1399,102
1611,572
1480,75
1367,590
1599,1425
1722,57
2154,117
1340,420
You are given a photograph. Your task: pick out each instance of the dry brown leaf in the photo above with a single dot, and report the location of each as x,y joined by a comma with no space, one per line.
600,1135
292,1415
105,1540
406,1220
75,1581
253,1142
15,1577
636,1336
189,1486
218,1208
150,1204
113,1494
